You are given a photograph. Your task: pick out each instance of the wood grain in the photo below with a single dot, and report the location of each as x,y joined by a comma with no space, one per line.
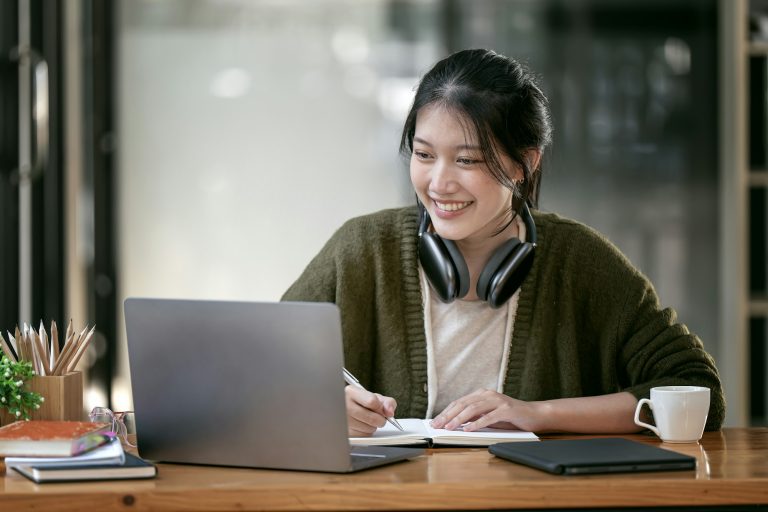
63,396
732,470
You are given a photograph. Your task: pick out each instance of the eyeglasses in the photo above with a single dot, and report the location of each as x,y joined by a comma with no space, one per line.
117,421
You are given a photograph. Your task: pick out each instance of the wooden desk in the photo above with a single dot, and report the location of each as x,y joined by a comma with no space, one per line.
732,470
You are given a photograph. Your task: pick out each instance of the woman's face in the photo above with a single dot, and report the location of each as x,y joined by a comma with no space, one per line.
451,179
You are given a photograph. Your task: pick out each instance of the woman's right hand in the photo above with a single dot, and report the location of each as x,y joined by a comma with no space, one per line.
367,411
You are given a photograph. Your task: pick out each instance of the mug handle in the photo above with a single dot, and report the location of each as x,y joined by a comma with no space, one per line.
637,416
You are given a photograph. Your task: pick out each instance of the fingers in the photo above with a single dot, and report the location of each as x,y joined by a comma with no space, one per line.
464,409
356,428
493,419
481,409
366,411
388,405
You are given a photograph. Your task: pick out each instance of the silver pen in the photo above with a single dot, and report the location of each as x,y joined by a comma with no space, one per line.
352,381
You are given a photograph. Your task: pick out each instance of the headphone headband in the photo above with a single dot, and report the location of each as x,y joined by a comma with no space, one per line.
530,225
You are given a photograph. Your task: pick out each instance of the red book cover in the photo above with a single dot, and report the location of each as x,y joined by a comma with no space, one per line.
37,438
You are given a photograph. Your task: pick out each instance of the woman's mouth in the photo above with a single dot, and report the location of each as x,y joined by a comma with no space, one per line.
452,207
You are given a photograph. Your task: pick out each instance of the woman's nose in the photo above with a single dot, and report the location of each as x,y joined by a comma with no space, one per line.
443,178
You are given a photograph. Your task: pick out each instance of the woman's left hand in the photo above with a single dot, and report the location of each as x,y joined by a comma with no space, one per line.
487,408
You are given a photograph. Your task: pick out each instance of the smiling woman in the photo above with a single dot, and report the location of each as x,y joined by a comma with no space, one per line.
451,173
571,346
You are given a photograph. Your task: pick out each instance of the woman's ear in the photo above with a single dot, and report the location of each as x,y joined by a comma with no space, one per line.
533,156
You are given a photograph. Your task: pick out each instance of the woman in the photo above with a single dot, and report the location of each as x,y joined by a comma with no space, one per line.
473,308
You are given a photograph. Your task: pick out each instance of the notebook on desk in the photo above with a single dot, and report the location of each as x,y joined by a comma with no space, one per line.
248,384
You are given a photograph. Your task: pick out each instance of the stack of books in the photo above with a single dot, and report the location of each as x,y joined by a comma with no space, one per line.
59,451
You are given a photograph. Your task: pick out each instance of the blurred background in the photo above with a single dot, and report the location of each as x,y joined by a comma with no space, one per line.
209,148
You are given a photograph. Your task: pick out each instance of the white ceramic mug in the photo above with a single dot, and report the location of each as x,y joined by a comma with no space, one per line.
680,412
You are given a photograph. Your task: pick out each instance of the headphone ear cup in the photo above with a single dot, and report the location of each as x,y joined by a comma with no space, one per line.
462,271
500,255
508,278
444,267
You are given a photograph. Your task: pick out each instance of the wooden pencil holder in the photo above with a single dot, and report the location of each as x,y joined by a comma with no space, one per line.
63,398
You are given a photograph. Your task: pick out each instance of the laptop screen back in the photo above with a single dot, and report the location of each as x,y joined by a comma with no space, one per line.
238,383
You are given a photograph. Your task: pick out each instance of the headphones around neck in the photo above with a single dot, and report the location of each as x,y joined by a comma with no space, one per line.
447,271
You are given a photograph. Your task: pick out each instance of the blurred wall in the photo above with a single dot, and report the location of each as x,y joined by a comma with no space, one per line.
250,130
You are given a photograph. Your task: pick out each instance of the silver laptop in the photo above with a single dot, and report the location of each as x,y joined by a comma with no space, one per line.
249,384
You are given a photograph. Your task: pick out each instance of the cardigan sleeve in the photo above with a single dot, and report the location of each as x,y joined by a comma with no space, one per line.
317,283
656,350
343,273
368,268
640,344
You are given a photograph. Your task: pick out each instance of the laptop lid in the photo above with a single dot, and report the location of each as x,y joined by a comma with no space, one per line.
598,455
251,384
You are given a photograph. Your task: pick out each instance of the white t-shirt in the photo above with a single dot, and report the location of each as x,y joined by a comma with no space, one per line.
467,344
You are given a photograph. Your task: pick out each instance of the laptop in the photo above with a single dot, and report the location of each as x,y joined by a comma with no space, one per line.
594,455
247,384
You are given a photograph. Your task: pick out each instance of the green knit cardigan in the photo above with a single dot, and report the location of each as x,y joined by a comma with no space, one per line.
588,323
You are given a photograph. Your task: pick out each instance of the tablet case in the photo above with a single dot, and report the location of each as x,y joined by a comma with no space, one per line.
594,455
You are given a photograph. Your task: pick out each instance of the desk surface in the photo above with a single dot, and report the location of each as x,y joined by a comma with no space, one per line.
732,470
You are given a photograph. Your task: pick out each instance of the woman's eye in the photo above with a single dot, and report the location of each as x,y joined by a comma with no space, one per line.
421,154
467,161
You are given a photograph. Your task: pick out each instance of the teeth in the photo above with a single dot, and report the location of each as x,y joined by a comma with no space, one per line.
452,207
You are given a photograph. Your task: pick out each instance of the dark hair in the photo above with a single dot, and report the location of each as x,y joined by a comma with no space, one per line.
500,99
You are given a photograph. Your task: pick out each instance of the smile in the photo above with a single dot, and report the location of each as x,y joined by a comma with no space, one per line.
453,207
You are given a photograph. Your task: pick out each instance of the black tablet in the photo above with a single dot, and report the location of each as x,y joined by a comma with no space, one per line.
594,455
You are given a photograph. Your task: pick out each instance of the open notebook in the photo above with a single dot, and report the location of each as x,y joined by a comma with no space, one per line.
417,431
